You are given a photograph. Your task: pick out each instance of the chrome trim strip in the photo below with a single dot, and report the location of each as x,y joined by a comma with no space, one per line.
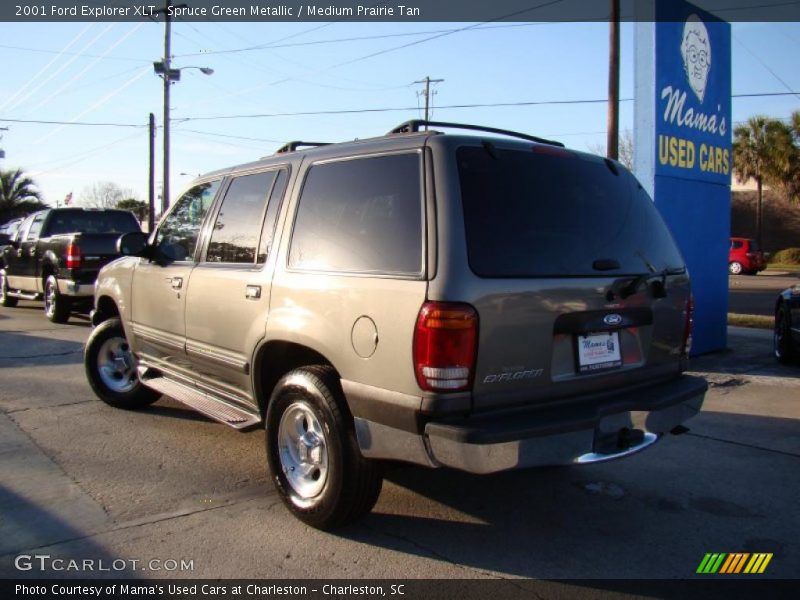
157,337
227,359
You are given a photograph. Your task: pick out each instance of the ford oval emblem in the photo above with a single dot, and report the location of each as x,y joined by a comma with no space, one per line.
612,319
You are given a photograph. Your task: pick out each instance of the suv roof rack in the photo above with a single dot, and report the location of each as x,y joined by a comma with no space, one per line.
294,145
414,125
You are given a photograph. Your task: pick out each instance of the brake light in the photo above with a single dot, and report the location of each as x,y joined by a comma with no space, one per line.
445,343
688,324
73,259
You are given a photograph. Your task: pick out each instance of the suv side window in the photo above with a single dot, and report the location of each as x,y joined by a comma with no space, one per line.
268,231
36,227
177,235
234,237
361,215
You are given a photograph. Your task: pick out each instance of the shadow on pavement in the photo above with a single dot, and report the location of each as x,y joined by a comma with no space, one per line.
21,350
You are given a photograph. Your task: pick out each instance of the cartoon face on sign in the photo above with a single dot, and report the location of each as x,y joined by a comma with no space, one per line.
696,53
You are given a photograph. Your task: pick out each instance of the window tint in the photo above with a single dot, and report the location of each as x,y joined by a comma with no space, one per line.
548,212
235,234
361,215
177,235
736,245
90,221
268,231
35,228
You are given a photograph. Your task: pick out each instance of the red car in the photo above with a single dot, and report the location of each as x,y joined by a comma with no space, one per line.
745,257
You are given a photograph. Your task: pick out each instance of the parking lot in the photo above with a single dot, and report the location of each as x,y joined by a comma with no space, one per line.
81,480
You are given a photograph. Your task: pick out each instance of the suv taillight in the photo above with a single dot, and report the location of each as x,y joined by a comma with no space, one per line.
445,343
687,327
73,259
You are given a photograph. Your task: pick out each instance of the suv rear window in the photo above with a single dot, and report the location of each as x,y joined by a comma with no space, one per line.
551,212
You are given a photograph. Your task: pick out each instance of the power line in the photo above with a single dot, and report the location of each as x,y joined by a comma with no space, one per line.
79,54
352,111
274,45
83,123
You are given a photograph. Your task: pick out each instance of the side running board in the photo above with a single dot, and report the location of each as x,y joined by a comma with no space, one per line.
204,403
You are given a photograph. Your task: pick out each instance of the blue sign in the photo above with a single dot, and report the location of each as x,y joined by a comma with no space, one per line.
683,148
693,94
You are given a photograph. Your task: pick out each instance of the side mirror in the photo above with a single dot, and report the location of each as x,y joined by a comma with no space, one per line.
133,243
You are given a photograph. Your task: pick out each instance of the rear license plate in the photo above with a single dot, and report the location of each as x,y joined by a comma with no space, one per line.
598,351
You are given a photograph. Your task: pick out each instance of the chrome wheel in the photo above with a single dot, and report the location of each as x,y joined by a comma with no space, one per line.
50,298
116,365
735,268
303,450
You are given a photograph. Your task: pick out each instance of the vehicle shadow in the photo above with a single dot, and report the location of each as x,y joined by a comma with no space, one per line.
19,350
653,515
29,530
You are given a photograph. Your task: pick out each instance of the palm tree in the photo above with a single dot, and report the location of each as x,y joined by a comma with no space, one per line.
756,155
18,195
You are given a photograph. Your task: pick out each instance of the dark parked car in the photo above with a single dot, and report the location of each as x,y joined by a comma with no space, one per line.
56,255
787,326
745,257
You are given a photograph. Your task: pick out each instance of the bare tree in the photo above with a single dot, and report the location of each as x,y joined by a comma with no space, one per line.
105,194
625,149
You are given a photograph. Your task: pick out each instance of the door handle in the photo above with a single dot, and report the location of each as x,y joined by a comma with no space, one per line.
253,292
176,282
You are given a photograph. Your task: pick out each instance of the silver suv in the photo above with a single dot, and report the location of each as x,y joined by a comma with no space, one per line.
482,302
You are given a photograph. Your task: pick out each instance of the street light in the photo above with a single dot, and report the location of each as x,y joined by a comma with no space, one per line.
164,70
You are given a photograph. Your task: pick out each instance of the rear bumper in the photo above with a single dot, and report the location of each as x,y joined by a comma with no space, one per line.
577,433
67,287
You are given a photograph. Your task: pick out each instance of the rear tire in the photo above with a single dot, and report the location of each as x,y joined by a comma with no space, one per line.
111,368
735,268
314,459
57,308
782,337
5,299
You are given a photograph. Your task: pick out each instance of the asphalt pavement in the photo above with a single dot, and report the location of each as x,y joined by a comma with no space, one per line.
756,294
81,480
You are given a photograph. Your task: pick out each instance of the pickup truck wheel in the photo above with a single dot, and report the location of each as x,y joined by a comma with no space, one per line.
735,268
313,454
111,368
5,299
56,307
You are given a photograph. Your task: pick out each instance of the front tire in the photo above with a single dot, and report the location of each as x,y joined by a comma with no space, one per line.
111,368
5,299
735,268
782,337
56,307
313,454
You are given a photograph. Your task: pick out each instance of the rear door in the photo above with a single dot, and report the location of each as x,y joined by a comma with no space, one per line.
158,292
577,281
228,295
22,268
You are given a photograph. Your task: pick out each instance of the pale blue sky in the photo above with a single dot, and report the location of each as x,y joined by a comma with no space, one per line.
110,80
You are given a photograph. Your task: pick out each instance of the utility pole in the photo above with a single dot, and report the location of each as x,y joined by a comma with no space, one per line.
167,80
612,143
428,81
169,74
151,178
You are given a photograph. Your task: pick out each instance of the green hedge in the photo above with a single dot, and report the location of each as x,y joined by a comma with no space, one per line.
789,256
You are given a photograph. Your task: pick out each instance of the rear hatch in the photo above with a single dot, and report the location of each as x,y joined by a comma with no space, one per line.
578,284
